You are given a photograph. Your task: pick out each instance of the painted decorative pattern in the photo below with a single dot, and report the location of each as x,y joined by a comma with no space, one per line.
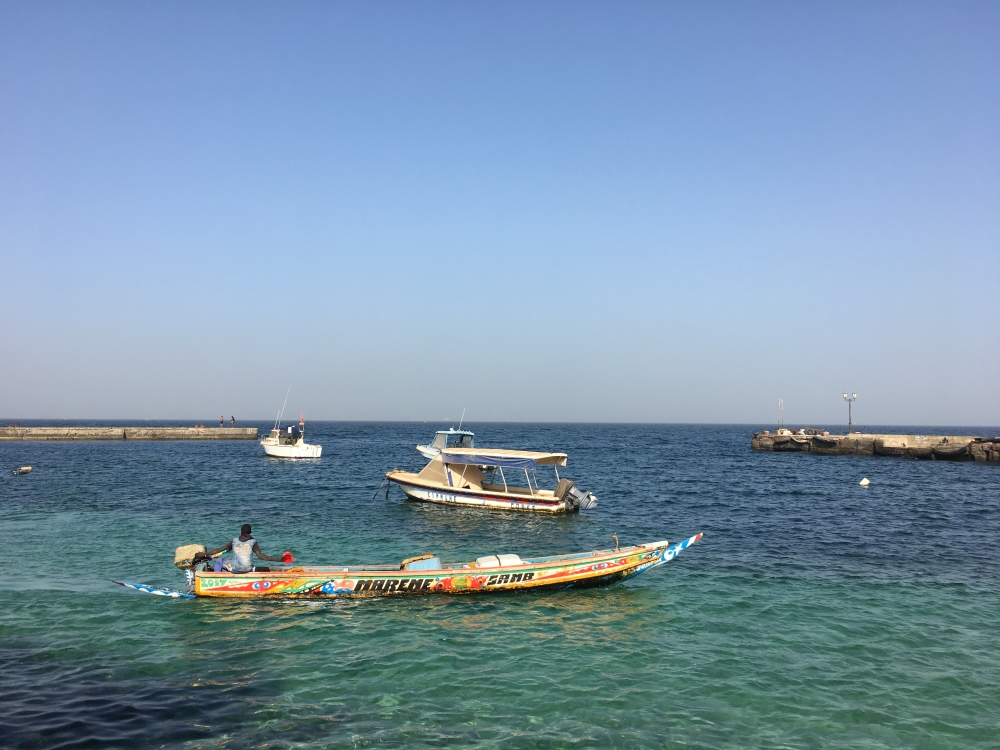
600,569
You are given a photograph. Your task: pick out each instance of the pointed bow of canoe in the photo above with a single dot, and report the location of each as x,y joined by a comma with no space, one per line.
675,549
157,590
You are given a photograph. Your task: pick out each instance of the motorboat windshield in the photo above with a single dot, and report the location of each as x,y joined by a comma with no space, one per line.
444,439
453,439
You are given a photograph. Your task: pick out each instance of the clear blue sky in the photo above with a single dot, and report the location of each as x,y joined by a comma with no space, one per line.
536,211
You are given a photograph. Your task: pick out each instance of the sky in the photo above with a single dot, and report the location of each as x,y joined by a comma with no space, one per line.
532,211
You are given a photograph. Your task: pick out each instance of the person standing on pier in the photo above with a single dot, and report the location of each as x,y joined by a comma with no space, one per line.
222,421
232,421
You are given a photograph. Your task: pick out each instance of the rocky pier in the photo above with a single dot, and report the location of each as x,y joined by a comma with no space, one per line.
128,433
925,447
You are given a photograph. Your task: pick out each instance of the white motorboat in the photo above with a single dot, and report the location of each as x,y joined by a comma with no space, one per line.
290,442
446,439
475,477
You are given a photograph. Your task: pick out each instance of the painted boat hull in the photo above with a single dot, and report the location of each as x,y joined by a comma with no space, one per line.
291,451
483,499
587,570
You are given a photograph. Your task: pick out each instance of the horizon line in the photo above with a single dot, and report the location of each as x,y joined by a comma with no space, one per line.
7,422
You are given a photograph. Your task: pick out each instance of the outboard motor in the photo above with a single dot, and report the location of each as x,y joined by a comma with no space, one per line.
567,490
582,500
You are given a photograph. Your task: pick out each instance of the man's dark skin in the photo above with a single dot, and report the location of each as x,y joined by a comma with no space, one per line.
244,536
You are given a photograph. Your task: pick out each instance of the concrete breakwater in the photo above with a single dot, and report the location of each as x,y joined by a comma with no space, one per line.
927,447
128,433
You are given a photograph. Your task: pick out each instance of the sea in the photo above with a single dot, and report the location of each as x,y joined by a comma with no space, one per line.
814,613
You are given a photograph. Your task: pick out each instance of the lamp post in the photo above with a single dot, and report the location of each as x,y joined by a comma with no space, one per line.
850,400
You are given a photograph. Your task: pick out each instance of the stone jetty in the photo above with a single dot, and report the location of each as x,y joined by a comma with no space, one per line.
927,447
128,433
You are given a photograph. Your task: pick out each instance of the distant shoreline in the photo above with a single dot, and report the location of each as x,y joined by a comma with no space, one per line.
49,433
265,424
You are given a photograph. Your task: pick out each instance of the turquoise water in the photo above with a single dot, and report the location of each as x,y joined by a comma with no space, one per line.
814,613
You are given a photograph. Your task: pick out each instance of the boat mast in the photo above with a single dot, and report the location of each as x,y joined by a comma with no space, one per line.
282,407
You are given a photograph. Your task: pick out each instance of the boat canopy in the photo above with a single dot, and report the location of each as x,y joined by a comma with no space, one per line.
501,457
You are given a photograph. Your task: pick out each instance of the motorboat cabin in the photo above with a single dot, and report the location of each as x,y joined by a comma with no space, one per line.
493,478
446,439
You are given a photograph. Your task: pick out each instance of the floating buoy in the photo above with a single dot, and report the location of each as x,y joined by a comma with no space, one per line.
864,482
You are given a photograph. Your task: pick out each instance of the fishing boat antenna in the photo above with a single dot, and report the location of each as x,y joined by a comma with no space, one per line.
276,421
462,419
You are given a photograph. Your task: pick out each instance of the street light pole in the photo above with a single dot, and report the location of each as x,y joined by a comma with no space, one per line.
850,400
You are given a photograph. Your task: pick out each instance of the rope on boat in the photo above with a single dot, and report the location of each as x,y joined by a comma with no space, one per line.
387,478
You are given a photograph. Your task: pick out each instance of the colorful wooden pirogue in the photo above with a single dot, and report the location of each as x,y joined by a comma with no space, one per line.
427,575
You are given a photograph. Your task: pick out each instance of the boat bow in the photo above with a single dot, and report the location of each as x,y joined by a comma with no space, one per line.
670,552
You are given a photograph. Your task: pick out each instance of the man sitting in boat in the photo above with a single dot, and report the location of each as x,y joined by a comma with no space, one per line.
243,548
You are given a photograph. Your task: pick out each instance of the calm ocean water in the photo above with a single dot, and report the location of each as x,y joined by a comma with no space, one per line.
814,613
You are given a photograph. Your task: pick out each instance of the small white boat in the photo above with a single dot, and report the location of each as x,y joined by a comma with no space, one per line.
22,470
446,439
290,442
